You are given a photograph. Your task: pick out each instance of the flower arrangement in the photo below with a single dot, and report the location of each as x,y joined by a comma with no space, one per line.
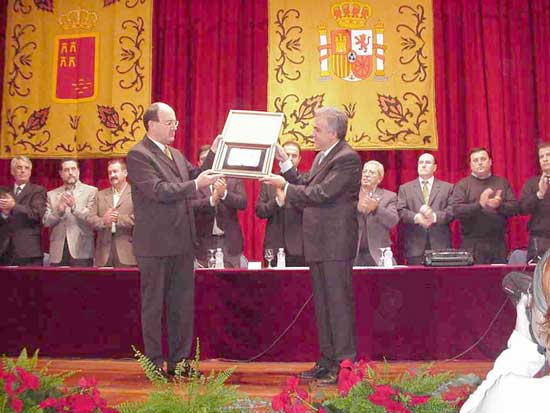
25,388
361,389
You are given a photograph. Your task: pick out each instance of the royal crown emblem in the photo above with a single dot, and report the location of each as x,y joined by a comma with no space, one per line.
78,20
351,14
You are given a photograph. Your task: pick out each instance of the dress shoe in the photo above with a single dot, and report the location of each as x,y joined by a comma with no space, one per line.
329,379
186,371
316,372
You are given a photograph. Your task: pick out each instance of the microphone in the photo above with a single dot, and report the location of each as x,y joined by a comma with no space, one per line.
516,283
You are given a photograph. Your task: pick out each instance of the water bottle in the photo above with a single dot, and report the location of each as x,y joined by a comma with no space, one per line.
281,259
388,258
219,258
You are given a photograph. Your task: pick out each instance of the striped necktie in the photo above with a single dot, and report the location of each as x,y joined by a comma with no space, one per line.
168,153
425,192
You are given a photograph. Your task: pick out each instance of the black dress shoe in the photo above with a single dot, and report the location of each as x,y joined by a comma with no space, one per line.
316,372
186,371
329,379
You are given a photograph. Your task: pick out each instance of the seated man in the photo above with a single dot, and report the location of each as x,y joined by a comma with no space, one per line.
216,220
71,238
377,215
511,386
112,216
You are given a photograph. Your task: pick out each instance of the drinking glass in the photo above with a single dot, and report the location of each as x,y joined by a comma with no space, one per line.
269,255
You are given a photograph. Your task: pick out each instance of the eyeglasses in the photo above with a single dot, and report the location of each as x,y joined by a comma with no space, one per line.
170,123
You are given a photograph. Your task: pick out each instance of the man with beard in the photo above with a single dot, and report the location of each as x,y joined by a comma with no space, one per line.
21,212
71,238
112,216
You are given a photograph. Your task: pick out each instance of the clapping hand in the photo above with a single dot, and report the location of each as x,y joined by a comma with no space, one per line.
543,186
7,202
219,190
494,201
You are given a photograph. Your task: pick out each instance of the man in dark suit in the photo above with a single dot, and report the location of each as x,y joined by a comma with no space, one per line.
163,181
377,215
329,195
425,211
216,218
284,222
21,216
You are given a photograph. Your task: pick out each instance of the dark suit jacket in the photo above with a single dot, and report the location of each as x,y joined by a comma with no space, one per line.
376,225
23,225
329,196
409,201
284,225
161,190
226,217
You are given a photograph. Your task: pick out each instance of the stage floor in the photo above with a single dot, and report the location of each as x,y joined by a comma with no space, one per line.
123,380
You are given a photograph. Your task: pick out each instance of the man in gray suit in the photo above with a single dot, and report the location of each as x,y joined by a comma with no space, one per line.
71,238
163,183
377,215
425,211
328,194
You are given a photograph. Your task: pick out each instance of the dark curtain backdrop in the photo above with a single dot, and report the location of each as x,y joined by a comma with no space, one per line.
492,88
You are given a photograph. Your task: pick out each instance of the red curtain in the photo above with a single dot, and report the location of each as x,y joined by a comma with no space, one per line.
492,88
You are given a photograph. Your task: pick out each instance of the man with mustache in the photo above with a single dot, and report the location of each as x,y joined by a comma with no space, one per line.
71,238
112,216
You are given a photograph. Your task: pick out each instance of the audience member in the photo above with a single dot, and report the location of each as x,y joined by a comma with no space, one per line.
425,212
377,215
483,202
216,218
112,216
21,212
535,201
71,238
284,222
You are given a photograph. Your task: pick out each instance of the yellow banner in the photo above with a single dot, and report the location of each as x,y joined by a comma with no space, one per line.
373,59
77,77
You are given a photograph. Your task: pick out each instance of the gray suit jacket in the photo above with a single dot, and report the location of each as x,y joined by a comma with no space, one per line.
124,227
409,201
70,225
328,195
377,224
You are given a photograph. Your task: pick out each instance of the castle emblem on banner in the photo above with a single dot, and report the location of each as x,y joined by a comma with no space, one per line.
354,51
76,59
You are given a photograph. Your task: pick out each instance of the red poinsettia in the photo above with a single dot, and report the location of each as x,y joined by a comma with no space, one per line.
292,399
350,374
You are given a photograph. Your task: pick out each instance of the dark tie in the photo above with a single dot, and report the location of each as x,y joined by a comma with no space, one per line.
18,191
317,161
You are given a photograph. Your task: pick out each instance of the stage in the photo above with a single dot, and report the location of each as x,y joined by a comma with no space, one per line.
403,313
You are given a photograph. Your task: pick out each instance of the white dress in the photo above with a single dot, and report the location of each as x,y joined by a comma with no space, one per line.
510,386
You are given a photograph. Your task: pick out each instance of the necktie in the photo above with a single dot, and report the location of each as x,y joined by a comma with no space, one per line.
425,192
168,153
317,161
18,190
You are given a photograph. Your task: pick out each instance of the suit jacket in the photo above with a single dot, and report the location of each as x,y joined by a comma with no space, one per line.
124,227
161,191
377,224
329,196
71,225
23,226
409,201
226,217
284,225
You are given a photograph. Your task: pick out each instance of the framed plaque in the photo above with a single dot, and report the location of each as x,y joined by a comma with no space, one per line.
247,149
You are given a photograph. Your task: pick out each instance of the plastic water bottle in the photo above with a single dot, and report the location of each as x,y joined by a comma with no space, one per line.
219,258
388,258
281,258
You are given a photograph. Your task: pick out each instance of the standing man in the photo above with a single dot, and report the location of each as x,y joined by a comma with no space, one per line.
21,212
163,181
482,203
535,201
284,222
329,196
216,218
112,216
377,215
425,211
71,238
